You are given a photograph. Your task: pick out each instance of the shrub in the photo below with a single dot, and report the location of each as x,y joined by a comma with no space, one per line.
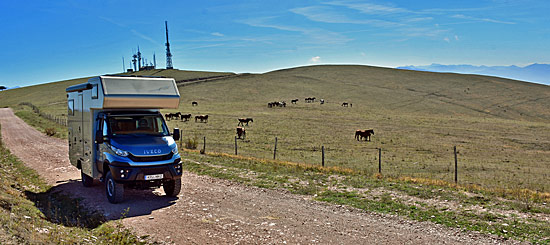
191,143
50,131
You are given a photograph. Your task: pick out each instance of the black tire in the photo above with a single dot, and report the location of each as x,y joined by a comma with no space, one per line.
113,190
87,181
172,187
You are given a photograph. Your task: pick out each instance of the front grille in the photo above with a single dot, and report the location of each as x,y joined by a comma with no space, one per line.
152,158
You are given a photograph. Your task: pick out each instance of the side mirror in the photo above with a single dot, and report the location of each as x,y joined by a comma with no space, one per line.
176,135
99,137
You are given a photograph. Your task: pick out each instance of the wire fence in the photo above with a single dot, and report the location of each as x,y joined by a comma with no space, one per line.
61,120
454,164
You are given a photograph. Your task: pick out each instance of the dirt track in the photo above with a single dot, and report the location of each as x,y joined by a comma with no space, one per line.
213,211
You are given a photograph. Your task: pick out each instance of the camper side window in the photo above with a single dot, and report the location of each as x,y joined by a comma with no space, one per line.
94,91
70,108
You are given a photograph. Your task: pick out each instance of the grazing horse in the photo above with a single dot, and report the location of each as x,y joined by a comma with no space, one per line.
194,103
242,121
322,101
345,104
185,117
357,134
170,116
294,101
241,132
364,134
203,118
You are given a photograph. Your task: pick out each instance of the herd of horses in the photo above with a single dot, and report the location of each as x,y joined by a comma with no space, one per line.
307,100
276,103
185,117
241,131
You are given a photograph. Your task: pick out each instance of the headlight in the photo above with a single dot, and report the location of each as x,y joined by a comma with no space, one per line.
175,150
119,152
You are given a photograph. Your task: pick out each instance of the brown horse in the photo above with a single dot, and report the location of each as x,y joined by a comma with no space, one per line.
364,134
202,118
241,132
242,121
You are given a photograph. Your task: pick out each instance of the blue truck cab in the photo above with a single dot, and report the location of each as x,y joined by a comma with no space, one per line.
118,136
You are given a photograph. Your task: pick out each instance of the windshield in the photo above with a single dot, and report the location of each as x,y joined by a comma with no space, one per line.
137,124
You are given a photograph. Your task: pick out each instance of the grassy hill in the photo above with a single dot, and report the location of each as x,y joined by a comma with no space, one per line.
501,127
51,97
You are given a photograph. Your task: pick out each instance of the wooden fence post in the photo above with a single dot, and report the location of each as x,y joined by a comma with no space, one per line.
275,149
235,145
323,155
203,145
456,167
379,160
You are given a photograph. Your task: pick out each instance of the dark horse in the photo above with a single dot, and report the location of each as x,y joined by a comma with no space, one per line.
194,103
203,118
242,121
241,132
364,134
185,117
294,101
169,116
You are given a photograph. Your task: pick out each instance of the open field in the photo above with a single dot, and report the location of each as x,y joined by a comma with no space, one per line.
501,127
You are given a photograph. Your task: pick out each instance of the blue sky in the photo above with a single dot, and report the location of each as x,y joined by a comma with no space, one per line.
46,41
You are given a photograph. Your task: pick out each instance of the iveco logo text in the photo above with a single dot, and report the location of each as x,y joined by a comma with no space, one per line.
152,151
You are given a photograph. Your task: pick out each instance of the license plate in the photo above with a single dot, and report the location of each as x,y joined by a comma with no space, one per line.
154,176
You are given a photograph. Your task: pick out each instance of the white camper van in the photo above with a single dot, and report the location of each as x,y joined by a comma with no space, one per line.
117,134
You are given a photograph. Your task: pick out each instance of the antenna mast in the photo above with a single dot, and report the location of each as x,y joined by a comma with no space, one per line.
139,59
168,54
123,65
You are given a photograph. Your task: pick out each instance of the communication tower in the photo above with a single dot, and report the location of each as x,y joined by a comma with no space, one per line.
168,54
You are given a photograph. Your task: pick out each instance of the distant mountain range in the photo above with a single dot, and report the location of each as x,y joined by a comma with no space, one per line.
536,73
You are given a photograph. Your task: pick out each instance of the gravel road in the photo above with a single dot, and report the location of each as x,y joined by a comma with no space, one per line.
214,211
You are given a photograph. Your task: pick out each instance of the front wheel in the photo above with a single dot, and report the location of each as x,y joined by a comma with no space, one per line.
87,181
172,187
114,191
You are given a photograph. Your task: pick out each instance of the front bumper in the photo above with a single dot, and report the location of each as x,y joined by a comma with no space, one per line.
123,172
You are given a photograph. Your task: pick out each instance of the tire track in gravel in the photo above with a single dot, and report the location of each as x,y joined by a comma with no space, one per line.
214,211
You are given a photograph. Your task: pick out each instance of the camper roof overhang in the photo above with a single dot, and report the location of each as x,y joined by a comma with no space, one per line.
78,87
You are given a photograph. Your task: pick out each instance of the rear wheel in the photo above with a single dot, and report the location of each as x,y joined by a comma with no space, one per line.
87,181
172,187
114,191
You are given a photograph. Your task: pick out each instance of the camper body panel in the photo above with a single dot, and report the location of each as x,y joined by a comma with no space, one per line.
88,105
